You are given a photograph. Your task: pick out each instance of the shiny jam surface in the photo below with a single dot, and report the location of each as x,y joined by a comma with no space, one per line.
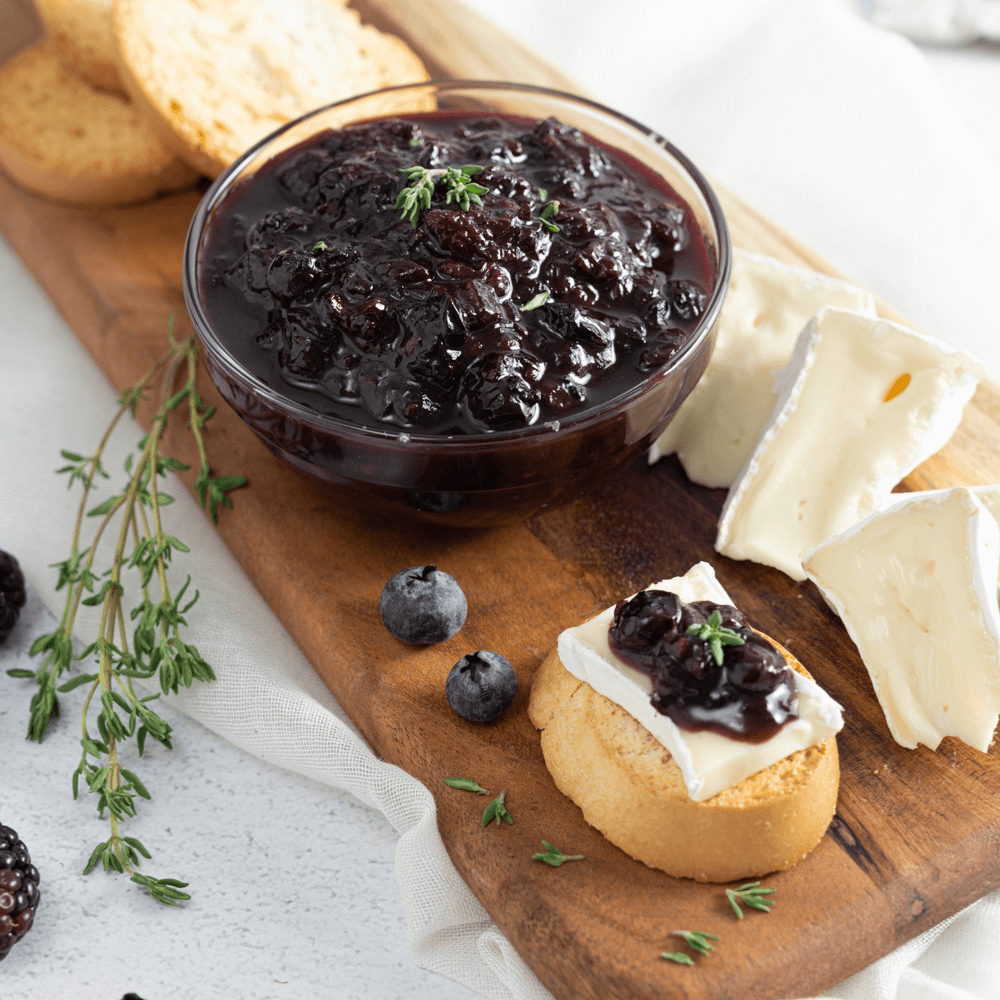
749,696
579,275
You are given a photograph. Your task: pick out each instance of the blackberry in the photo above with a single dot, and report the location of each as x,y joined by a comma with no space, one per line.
12,595
19,895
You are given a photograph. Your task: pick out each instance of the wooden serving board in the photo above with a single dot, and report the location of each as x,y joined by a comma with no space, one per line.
916,833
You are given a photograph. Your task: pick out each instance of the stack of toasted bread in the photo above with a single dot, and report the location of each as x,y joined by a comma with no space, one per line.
126,99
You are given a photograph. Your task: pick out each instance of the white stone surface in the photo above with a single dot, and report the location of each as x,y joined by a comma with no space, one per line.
293,890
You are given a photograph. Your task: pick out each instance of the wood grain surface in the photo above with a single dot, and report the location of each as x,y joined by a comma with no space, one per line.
916,833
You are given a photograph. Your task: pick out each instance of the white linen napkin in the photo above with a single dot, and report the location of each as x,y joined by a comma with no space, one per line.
845,182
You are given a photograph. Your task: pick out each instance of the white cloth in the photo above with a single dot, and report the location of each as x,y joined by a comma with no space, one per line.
940,20
833,129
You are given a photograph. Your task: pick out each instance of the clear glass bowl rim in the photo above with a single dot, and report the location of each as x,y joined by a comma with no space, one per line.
333,424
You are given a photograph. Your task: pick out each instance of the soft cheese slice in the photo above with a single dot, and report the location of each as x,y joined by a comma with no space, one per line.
988,496
709,762
861,403
766,307
916,587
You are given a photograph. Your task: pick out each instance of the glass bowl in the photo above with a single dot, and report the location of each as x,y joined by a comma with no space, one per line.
472,480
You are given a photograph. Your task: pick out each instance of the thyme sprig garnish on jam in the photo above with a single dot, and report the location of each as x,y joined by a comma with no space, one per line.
553,856
496,810
141,555
751,894
697,941
459,185
716,634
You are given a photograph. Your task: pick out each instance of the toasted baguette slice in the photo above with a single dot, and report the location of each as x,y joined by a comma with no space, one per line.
62,139
223,75
84,35
630,788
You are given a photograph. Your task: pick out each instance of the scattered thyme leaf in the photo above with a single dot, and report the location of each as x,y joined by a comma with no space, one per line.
543,194
716,634
467,785
751,894
553,856
538,300
416,140
678,956
697,940
320,246
496,810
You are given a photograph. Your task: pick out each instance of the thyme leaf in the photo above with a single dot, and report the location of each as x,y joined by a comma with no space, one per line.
548,211
697,940
536,301
751,894
553,856
497,810
467,785
680,957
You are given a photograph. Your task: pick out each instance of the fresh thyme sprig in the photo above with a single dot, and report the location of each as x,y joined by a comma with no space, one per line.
497,810
458,182
156,648
717,635
553,856
467,785
752,895
697,941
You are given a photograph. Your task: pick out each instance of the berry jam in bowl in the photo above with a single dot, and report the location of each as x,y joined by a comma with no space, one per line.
459,302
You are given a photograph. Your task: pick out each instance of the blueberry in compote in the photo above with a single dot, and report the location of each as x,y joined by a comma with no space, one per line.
481,686
423,605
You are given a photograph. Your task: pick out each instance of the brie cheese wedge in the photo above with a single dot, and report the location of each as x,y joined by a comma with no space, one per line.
767,305
916,588
861,403
708,762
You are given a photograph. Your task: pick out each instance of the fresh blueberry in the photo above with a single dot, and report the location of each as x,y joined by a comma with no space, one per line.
422,604
481,686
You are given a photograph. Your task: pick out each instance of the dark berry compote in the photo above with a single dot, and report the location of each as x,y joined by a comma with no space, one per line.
578,275
738,686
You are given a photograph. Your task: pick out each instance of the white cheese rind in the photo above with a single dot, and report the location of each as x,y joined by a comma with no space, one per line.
915,586
767,305
834,445
709,763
